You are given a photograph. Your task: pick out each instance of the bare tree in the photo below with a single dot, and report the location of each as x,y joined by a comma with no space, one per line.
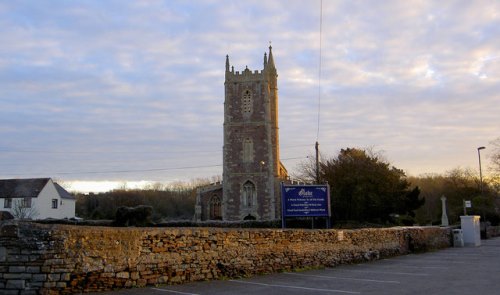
495,157
494,177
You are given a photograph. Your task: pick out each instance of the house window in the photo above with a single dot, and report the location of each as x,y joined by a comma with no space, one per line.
247,102
54,203
7,203
215,208
26,203
248,194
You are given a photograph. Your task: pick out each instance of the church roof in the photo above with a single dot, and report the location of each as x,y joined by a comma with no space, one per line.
210,187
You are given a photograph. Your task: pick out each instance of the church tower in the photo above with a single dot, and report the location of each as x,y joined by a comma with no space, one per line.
252,169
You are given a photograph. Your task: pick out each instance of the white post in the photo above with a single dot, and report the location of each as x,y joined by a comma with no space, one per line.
444,217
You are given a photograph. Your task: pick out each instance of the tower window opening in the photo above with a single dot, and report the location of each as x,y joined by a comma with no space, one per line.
247,107
248,194
248,150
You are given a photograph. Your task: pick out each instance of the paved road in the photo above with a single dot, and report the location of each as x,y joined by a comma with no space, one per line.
474,270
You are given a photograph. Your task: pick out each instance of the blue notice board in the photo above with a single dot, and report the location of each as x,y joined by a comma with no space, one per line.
306,200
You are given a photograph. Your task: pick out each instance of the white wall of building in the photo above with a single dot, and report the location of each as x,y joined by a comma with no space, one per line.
65,207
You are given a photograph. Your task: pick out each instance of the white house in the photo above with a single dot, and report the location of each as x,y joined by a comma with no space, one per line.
36,198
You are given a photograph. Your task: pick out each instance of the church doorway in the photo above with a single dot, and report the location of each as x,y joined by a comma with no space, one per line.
249,217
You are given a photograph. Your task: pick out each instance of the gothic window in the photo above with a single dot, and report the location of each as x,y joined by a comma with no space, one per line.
247,102
215,208
247,150
248,194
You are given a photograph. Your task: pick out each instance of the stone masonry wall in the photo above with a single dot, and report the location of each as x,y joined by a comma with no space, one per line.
64,259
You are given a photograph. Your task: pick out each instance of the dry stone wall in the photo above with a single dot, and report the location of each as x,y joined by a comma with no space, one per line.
65,259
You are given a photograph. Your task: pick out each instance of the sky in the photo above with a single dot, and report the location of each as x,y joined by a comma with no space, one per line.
105,94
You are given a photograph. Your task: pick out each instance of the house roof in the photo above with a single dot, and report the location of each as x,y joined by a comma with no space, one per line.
22,188
63,193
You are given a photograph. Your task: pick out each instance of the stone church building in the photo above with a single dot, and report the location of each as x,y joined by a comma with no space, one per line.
252,170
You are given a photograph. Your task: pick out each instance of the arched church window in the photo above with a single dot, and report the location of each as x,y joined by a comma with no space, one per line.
247,103
215,208
247,150
248,194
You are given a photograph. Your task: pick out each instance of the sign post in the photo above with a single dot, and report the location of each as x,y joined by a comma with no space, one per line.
305,201
467,204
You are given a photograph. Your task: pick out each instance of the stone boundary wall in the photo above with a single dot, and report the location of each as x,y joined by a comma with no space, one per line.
64,259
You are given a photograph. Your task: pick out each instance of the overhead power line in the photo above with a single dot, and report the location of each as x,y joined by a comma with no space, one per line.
121,171
71,152
22,151
319,67
126,171
316,146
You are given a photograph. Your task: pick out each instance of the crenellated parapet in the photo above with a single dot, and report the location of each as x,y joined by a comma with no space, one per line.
248,75
245,75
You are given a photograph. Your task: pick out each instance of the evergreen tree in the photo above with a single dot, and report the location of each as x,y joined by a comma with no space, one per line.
364,187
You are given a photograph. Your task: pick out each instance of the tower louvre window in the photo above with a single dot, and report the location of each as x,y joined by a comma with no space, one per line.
247,102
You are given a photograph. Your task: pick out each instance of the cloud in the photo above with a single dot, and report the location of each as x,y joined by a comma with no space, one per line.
126,85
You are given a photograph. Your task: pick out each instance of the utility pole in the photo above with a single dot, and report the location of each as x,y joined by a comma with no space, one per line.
317,162
482,193
480,170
